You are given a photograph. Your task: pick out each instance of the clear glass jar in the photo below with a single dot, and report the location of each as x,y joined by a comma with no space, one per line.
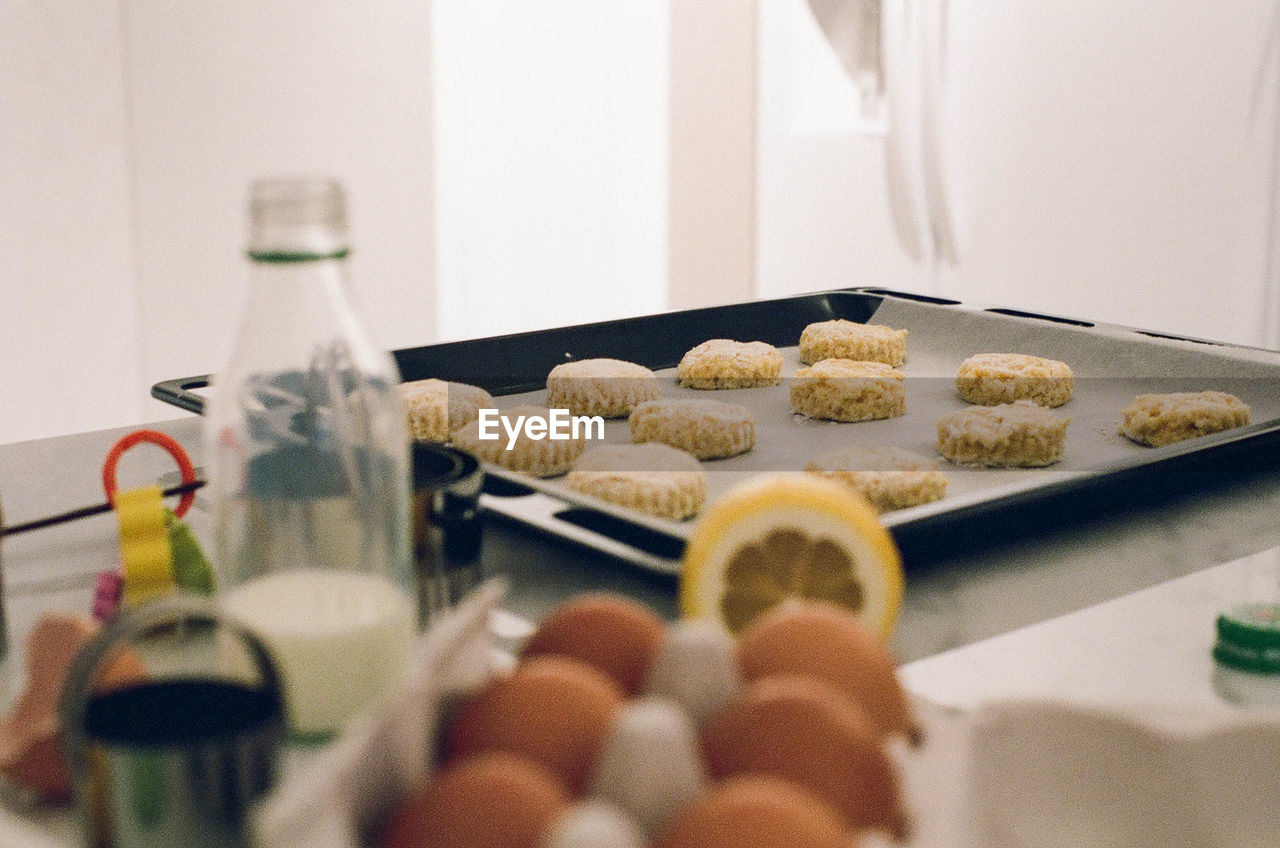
309,467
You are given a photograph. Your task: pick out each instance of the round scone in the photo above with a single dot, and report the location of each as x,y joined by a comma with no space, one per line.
1157,420
436,408
890,478
541,457
604,387
653,478
841,339
847,390
708,429
1012,435
726,364
989,379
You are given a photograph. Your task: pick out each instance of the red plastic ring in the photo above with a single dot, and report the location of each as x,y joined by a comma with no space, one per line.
159,439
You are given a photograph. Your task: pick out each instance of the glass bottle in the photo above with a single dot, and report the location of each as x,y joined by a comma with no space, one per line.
309,467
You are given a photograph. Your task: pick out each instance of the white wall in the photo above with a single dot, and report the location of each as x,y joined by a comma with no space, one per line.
552,169
69,351
1118,160
711,196
130,130
1114,161
223,92
129,134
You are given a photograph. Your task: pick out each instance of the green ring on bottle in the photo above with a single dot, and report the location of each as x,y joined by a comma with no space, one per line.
1249,638
1247,659
285,257
1253,625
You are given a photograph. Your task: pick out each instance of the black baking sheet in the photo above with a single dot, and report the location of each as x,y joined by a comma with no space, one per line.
1102,473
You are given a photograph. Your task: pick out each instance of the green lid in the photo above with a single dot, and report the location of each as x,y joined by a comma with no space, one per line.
1249,638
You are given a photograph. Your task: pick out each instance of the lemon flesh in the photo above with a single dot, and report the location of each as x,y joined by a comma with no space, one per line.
785,536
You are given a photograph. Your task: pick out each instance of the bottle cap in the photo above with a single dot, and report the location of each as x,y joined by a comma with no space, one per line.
297,218
1249,638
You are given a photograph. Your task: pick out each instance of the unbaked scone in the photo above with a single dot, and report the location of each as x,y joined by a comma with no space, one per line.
726,364
436,408
544,457
994,378
890,478
605,387
847,390
1157,420
653,478
1012,435
842,339
707,429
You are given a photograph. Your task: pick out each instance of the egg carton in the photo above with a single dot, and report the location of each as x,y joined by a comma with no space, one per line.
341,797
993,776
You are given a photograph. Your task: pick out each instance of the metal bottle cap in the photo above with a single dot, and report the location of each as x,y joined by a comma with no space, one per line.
294,218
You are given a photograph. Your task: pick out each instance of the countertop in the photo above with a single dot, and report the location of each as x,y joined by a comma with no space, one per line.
1119,609
950,603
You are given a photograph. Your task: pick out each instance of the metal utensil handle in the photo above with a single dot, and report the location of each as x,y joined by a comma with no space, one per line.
126,627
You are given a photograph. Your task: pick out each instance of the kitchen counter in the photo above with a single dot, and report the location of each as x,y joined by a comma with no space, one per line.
949,604
1116,610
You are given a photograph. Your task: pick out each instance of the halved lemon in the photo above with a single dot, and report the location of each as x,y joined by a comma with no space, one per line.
789,536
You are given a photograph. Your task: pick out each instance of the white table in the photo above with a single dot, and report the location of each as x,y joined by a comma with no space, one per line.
1147,647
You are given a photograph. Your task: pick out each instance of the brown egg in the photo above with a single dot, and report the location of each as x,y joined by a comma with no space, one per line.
807,731
31,752
610,633
553,710
755,811
819,640
490,800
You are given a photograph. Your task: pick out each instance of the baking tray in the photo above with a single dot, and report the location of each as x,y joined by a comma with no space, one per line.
1102,472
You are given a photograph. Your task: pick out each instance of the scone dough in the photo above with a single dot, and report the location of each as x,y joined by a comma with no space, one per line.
707,429
1022,434
994,378
890,478
846,390
537,457
604,387
843,339
653,478
1157,420
726,364
435,408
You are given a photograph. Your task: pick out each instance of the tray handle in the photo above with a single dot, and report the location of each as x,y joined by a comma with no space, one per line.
554,516
179,392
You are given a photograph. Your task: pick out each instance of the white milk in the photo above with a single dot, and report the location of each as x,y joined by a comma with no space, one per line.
340,639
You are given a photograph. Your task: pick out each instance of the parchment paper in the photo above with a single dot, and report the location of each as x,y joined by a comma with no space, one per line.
1111,365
